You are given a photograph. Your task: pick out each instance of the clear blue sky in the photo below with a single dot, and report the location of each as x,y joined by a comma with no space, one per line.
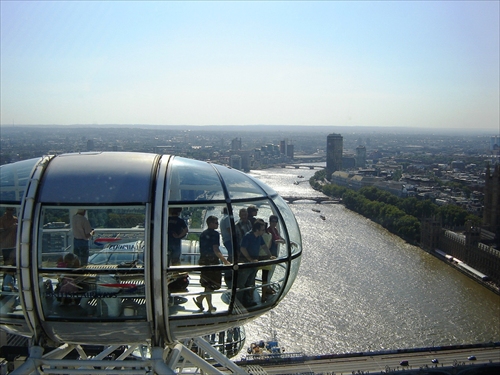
433,64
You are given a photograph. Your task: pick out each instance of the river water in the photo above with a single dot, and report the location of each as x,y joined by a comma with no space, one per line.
361,288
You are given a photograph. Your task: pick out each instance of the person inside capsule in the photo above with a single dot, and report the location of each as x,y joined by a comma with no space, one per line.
250,248
210,254
8,299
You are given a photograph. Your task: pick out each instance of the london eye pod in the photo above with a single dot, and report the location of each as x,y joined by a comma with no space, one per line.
134,288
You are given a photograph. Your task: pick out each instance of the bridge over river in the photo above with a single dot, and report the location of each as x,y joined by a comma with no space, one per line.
292,199
303,166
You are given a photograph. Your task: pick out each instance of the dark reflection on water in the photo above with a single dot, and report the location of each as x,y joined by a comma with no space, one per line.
361,288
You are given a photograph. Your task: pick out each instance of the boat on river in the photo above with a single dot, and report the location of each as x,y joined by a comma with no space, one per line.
264,348
270,351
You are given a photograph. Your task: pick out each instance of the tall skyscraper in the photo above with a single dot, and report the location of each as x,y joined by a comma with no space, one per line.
334,149
286,148
283,146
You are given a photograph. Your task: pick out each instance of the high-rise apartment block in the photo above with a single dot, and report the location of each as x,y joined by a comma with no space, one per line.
286,148
334,149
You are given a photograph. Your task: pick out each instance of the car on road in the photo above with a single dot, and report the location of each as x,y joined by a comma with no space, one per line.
471,358
404,363
435,360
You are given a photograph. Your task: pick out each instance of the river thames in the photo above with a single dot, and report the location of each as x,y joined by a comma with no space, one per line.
360,288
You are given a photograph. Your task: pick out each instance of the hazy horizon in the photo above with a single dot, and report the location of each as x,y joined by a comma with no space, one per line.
410,64
274,128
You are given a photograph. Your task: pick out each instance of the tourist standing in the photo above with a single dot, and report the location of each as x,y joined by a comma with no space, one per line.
82,233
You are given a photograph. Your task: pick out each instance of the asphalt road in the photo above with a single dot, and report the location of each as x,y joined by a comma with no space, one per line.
449,360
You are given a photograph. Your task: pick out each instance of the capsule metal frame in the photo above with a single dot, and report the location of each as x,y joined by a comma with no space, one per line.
110,184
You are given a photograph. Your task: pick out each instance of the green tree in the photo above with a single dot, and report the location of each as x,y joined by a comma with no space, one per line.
425,209
333,190
352,200
408,227
372,209
409,205
389,215
370,192
319,175
452,215
475,220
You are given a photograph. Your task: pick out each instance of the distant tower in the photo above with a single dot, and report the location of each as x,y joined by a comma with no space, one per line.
245,161
236,144
283,146
430,231
286,148
361,156
494,143
491,212
289,151
334,148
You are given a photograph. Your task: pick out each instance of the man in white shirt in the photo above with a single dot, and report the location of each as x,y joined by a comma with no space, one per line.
82,232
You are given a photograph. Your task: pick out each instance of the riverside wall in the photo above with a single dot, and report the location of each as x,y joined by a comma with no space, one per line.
479,256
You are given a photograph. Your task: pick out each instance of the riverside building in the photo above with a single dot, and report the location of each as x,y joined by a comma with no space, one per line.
334,149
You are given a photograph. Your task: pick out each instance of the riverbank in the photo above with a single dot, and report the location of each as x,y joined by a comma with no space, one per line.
494,287
405,226
360,288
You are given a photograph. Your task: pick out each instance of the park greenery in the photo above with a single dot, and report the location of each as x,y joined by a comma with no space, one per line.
400,216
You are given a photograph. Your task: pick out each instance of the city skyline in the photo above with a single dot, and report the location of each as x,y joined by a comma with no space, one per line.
433,65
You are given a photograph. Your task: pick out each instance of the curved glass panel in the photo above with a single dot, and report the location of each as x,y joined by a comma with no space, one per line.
291,225
193,180
273,279
267,212
269,190
8,232
100,276
92,178
240,185
14,178
198,280
294,269
193,245
9,295
258,284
